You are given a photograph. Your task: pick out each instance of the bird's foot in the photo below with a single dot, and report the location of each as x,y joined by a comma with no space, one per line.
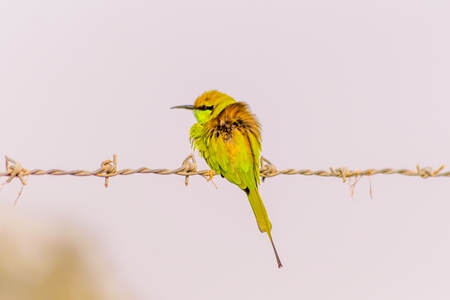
209,177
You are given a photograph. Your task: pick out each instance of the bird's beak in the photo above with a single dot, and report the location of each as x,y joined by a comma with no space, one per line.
190,107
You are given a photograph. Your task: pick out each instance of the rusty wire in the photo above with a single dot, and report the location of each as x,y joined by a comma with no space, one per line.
108,168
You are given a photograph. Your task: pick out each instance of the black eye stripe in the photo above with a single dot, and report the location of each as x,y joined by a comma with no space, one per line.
204,107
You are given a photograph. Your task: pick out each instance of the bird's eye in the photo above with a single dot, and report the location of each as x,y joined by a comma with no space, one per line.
204,107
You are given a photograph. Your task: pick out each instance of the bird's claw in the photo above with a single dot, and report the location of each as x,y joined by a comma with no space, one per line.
209,177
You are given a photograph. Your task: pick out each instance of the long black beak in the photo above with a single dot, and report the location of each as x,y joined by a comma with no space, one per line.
190,107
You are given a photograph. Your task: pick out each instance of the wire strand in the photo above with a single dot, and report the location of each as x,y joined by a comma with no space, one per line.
108,168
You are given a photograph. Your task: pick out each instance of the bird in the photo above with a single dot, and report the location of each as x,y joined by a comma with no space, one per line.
228,136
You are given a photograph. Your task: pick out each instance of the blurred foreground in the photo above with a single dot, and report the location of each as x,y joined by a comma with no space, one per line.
51,260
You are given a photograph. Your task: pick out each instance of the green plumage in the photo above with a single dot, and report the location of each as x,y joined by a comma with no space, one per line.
228,136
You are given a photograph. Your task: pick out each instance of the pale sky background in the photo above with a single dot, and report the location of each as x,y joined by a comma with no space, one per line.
357,84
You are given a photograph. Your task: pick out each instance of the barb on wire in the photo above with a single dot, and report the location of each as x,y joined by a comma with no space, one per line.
14,169
108,169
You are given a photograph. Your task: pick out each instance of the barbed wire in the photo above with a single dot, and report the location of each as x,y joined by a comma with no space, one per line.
108,169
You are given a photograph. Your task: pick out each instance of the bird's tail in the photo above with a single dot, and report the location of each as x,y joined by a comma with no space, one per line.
262,218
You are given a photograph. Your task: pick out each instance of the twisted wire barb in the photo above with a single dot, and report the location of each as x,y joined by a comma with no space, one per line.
108,168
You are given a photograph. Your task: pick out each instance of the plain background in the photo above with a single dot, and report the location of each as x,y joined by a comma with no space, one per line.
356,84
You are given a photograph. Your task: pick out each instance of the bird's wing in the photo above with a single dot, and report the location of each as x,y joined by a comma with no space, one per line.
233,145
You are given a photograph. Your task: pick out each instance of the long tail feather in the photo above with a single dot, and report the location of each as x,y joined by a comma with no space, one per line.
262,218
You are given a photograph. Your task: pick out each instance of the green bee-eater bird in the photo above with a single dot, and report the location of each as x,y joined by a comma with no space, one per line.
228,136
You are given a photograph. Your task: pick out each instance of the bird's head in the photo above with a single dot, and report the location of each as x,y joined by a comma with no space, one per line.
208,105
